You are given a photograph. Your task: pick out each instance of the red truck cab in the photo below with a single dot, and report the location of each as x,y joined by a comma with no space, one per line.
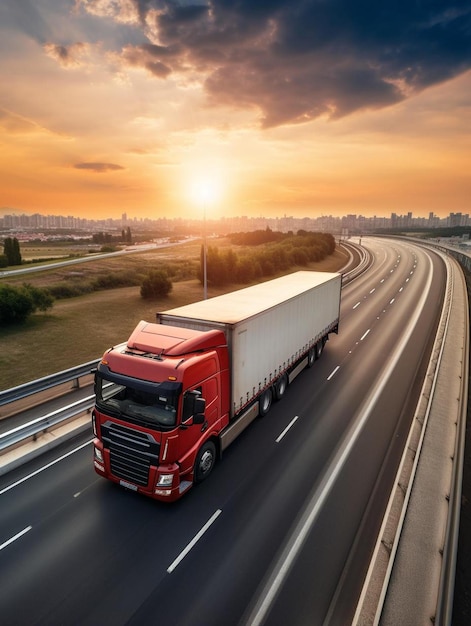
161,401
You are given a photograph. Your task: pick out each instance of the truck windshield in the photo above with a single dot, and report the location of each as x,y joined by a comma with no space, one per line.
151,404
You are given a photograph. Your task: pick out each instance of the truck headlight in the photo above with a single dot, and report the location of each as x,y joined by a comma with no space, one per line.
165,480
99,455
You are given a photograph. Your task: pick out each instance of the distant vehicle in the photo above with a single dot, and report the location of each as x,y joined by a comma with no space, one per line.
171,399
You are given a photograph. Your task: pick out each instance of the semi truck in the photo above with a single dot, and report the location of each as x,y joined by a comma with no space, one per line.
181,389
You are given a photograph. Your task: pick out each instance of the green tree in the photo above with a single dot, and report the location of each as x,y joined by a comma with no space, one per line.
126,235
16,305
280,259
216,267
156,285
16,252
247,270
230,260
266,264
11,249
220,266
300,256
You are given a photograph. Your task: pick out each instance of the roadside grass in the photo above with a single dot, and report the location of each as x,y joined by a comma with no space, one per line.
179,259
78,330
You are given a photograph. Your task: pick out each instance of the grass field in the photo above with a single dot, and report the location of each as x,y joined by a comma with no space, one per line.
80,329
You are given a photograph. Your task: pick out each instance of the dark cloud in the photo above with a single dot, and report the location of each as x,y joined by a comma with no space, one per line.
67,56
295,60
99,168
149,57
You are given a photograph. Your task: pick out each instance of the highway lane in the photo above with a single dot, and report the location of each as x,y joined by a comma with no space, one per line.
92,552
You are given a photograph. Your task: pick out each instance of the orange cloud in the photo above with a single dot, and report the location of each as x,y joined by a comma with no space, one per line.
98,168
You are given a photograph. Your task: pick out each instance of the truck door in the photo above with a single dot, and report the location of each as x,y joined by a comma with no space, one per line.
192,435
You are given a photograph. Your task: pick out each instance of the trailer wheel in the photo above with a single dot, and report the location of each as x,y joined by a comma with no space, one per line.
311,357
281,386
264,403
205,461
319,348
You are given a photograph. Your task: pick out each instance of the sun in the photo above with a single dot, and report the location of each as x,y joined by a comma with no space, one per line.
206,191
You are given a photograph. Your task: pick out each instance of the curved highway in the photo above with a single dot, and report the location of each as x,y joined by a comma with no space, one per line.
283,530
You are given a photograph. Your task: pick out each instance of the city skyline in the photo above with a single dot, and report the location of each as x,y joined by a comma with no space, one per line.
281,107
34,223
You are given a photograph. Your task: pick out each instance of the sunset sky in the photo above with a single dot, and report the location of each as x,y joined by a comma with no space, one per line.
272,107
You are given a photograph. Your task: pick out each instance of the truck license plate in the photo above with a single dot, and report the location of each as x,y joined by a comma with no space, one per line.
127,485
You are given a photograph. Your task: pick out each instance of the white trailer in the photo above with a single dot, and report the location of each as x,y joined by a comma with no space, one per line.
273,331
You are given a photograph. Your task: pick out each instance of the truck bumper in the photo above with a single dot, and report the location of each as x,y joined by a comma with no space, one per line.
164,482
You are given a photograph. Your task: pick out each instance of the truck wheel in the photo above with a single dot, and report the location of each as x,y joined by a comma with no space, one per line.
281,386
319,348
264,403
205,461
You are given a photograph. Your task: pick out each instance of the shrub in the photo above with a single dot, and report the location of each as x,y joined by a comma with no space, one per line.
113,280
17,304
42,298
64,290
156,285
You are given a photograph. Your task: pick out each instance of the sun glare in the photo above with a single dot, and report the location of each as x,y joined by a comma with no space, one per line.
205,191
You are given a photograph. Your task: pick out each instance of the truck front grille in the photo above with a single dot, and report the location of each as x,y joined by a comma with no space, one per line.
132,452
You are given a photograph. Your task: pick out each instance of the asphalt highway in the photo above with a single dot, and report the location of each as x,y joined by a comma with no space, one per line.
281,532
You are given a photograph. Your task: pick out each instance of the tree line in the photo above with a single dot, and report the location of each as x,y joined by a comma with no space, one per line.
278,253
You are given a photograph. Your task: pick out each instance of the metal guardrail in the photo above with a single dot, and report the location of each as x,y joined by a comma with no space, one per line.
445,596
444,612
447,579
42,384
364,264
40,425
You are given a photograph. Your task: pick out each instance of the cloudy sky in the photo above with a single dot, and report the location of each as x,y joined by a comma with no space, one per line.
248,107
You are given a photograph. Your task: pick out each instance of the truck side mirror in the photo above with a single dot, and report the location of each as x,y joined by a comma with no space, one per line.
194,406
200,407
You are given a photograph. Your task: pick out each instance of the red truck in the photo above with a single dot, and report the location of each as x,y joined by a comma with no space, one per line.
178,392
